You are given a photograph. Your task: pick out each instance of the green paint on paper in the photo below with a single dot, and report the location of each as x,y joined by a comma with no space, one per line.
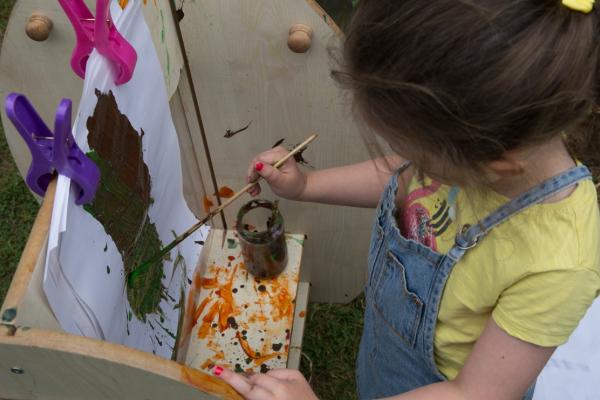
123,199
181,307
231,243
9,314
301,241
162,29
168,64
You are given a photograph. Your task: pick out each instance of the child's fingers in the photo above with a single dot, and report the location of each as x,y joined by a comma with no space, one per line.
239,382
269,173
268,382
254,190
287,374
243,385
269,157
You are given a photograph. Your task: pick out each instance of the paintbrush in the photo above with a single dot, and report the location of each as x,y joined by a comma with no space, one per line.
145,266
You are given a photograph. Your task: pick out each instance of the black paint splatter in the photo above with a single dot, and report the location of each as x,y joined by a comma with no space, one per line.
277,346
232,323
229,133
277,143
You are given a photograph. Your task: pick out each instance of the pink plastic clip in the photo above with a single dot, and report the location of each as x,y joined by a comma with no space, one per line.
99,33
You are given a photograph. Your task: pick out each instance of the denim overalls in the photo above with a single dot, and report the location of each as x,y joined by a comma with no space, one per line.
405,284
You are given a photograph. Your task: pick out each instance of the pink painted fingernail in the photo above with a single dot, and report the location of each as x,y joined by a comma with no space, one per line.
258,166
218,371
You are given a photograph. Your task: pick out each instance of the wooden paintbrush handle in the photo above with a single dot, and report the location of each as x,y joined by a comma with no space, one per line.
239,193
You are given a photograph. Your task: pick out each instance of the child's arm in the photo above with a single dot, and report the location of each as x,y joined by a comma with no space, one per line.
500,367
358,185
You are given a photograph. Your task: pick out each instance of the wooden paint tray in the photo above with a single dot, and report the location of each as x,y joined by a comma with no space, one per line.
38,360
236,320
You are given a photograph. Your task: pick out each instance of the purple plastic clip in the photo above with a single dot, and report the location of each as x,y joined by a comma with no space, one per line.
52,151
98,32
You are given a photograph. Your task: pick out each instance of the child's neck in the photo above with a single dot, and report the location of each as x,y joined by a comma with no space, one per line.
541,163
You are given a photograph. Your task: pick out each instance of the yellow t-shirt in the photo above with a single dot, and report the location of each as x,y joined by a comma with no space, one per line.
536,274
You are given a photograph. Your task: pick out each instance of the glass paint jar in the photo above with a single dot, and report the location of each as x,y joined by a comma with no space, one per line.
264,249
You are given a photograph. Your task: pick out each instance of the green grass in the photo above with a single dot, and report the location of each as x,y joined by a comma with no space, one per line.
332,331
331,341
17,206
5,8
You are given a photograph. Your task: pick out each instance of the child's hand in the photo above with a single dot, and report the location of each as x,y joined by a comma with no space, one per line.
277,384
287,181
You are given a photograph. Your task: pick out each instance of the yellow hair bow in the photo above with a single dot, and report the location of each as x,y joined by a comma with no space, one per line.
584,6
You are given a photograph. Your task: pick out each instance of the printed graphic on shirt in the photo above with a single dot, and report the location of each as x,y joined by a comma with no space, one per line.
428,212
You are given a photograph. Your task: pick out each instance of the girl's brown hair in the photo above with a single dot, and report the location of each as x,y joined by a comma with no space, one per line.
465,81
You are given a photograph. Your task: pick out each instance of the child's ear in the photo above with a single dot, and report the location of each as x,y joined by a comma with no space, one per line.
508,165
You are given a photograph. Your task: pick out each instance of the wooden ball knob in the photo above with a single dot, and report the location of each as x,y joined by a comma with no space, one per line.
300,38
38,27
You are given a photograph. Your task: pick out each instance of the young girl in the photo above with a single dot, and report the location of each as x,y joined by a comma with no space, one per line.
485,252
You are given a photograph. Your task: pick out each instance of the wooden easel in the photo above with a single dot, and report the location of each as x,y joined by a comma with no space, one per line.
39,361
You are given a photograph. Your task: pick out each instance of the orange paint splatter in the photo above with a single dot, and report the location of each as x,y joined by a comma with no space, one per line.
199,310
210,315
302,314
224,307
207,204
226,192
263,359
205,330
206,327
282,303
258,359
213,346
123,4
245,346
228,304
197,281
209,283
208,364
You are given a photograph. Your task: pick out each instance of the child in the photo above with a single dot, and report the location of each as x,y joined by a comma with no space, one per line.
485,249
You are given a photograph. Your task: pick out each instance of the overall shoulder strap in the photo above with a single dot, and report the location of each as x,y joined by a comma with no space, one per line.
470,236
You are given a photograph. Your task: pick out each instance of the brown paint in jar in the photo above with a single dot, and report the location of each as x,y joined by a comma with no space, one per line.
264,247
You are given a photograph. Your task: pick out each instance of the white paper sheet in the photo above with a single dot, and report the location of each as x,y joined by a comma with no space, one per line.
573,372
86,298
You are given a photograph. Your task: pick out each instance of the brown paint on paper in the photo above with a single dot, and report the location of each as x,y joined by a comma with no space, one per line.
123,199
